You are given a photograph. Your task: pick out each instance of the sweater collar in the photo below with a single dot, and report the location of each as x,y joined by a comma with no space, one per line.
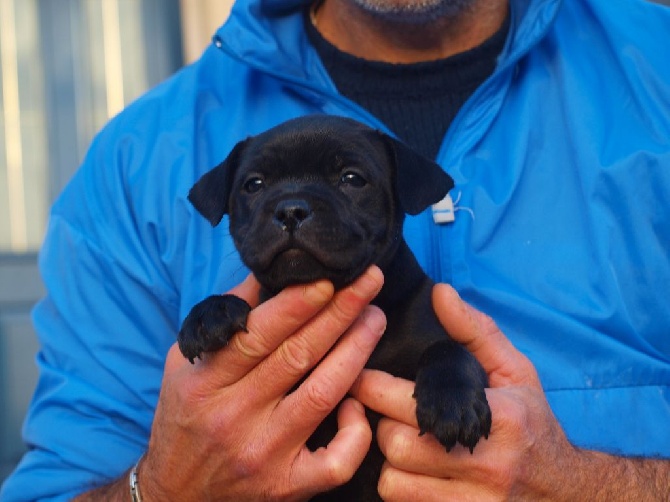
457,73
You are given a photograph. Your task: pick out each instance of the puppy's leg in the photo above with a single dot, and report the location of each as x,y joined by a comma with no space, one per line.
450,397
211,323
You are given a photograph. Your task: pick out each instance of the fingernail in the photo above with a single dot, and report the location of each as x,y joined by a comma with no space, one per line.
375,320
449,290
370,283
319,293
359,407
455,293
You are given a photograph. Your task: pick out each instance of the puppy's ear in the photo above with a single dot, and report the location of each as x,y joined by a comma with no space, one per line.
420,182
211,192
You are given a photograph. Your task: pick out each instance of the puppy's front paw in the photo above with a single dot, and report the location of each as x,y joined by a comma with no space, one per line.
453,415
211,323
450,398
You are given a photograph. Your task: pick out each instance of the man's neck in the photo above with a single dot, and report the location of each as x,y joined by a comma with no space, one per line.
370,37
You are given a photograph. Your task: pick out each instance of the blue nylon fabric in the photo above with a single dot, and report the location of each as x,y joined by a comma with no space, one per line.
562,168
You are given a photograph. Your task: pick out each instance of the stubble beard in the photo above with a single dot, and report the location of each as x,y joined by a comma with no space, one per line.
415,11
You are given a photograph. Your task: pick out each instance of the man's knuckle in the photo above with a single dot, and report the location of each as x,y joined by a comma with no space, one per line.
338,471
247,347
249,464
296,356
318,396
503,482
398,447
346,306
387,485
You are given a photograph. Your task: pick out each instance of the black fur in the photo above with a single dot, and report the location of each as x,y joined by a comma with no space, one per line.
325,197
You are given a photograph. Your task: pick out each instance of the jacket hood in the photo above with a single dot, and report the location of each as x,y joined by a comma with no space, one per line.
268,35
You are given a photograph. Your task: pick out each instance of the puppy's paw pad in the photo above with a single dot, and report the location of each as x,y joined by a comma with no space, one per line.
453,415
211,323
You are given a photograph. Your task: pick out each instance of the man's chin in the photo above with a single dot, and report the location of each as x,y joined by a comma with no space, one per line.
413,11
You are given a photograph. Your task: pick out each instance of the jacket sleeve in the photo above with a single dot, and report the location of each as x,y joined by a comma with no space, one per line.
109,317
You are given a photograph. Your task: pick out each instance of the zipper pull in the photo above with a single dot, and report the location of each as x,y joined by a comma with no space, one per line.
443,211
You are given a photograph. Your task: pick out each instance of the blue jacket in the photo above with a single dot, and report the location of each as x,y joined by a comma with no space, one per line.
562,168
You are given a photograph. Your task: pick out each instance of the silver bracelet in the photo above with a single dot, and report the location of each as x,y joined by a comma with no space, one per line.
134,485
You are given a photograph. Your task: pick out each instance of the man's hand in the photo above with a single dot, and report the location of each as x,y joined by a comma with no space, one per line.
228,428
231,427
527,455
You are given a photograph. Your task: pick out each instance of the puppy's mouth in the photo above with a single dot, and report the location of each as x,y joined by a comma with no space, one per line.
292,260
295,255
296,259
295,262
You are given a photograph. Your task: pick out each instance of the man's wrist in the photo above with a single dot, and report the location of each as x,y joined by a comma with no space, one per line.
133,481
623,478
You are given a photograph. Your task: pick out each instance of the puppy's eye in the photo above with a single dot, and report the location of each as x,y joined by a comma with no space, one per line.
353,179
253,185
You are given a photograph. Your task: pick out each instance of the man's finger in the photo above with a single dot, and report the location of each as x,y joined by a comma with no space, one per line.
398,485
308,405
406,449
327,468
298,354
174,361
249,290
268,326
479,333
386,394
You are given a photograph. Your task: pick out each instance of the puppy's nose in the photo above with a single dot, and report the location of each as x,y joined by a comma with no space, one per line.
291,213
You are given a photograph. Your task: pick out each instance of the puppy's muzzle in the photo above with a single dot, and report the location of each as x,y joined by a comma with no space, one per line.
290,214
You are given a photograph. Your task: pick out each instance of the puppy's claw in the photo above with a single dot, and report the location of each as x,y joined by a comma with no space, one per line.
451,417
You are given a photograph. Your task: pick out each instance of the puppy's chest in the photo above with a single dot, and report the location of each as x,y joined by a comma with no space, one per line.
409,333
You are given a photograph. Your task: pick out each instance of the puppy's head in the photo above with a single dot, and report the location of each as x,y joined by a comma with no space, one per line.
318,197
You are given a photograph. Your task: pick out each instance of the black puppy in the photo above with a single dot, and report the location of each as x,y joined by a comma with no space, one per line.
325,197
